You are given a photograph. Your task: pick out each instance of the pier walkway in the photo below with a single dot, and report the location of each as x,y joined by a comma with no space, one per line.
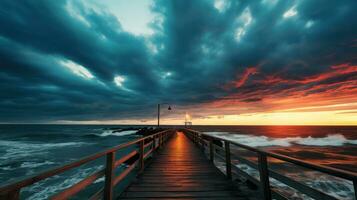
181,171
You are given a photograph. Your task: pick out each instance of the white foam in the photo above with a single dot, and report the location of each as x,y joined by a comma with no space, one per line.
18,150
330,140
43,190
261,141
106,133
35,164
121,133
7,168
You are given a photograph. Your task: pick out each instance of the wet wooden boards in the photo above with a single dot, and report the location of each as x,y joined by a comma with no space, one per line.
181,171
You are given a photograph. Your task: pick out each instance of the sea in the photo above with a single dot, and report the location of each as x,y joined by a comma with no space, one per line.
26,150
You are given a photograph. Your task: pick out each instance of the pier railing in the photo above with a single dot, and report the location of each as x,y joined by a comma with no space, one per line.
207,142
146,146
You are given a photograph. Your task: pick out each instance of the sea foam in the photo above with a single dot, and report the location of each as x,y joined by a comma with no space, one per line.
121,133
261,141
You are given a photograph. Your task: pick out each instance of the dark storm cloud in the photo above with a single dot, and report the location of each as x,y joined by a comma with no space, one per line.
206,45
200,54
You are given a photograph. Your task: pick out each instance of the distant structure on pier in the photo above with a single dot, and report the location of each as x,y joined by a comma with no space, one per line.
188,124
187,120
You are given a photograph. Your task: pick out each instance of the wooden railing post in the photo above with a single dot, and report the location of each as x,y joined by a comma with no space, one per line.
355,187
161,142
109,176
201,141
141,152
12,195
197,139
154,141
211,150
228,160
264,176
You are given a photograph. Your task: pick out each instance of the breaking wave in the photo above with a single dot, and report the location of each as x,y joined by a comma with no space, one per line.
43,190
336,187
114,133
261,141
35,164
17,149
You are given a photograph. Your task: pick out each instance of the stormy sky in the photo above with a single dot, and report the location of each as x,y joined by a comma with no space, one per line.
221,61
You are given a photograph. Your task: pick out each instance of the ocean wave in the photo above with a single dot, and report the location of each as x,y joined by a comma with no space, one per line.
30,165
21,149
261,141
113,133
330,140
36,164
44,190
334,186
39,136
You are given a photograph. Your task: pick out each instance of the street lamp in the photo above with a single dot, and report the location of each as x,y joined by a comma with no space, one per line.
158,112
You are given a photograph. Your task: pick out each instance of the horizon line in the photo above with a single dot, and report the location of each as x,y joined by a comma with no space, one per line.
161,125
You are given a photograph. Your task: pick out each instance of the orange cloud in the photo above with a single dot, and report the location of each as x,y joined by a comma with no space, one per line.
328,96
242,79
337,71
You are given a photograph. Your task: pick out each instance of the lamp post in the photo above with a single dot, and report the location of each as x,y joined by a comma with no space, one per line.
158,112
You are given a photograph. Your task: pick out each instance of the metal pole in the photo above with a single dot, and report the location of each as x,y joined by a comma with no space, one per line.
158,115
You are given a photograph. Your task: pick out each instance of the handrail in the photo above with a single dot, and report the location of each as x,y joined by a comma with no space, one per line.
11,191
264,172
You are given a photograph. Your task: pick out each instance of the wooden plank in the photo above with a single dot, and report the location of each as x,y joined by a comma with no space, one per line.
190,198
177,188
180,194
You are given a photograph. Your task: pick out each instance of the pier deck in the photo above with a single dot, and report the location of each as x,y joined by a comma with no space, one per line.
181,171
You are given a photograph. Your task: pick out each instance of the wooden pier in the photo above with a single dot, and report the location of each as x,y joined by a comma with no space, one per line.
181,171
180,164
